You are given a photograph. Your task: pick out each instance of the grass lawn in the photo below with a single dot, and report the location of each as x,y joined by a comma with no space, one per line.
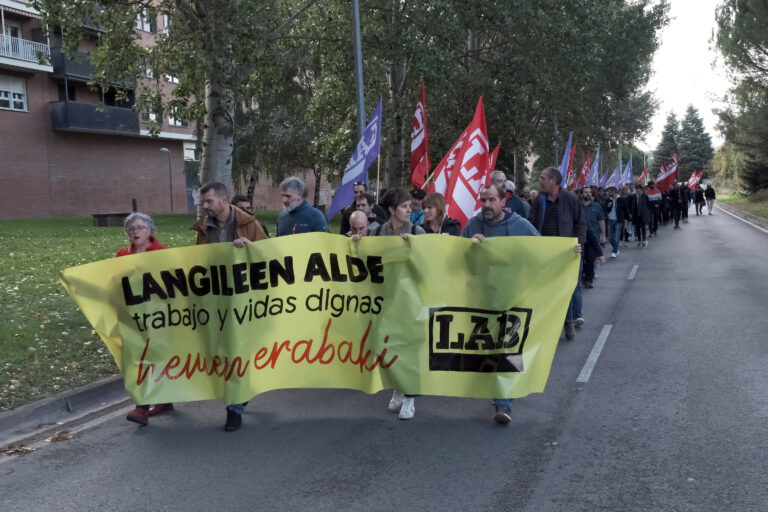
756,204
46,345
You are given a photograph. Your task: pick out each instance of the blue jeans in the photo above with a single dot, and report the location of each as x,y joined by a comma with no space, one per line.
237,408
614,233
503,403
574,308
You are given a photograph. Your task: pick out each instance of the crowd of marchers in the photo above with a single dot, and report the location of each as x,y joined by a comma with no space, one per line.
594,216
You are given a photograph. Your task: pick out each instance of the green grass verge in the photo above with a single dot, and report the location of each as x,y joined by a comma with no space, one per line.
46,345
756,204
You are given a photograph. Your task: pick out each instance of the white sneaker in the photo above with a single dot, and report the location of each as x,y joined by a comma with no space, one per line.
645,243
618,252
396,402
613,255
408,409
579,322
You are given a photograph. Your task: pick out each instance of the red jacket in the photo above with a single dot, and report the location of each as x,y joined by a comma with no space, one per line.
154,246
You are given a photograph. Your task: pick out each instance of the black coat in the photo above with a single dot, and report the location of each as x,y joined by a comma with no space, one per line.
621,205
450,226
640,209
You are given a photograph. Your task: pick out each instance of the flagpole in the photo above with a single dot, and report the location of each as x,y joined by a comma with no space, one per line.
378,172
358,69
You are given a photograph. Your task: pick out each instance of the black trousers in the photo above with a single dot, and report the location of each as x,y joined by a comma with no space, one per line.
590,255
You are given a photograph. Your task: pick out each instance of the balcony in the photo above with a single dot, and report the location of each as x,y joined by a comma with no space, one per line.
17,53
74,116
79,67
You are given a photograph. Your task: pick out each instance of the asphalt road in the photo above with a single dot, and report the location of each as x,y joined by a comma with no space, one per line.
671,418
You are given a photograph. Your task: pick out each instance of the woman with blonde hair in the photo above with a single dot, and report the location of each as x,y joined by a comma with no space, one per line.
436,219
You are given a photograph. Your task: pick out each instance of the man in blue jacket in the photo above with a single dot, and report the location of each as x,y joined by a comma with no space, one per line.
494,221
298,216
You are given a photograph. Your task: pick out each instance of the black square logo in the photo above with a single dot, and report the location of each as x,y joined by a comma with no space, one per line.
477,340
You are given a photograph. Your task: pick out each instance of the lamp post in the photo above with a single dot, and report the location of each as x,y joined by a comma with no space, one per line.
170,175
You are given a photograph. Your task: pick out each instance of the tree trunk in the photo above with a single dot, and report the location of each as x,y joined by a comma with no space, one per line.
218,132
396,76
520,171
255,168
316,197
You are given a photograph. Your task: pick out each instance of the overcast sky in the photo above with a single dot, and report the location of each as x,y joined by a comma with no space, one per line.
683,68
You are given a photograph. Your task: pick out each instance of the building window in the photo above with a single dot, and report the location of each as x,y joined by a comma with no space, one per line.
166,23
70,93
172,121
13,93
151,115
146,24
172,79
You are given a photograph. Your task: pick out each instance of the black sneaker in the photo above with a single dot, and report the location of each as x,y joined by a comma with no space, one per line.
234,421
569,333
503,415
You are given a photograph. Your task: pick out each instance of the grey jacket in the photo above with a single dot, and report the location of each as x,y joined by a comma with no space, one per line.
570,216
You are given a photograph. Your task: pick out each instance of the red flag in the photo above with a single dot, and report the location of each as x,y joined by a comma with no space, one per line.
420,143
494,158
581,179
694,180
570,177
667,173
472,161
641,179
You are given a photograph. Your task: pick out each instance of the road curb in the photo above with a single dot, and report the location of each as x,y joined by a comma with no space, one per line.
754,219
25,420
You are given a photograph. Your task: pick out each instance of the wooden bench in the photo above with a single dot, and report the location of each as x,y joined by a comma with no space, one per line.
110,220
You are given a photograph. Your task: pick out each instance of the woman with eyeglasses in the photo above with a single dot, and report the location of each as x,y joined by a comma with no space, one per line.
140,230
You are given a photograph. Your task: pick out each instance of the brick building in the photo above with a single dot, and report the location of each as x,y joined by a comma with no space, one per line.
66,150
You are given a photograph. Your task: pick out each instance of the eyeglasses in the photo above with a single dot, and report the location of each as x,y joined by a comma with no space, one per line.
361,183
134,229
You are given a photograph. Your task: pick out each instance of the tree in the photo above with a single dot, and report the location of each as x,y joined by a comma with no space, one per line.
743,41
695,144
727,163
212,47
670,137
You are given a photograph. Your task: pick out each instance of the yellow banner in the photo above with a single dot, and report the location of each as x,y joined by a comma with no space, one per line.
433,315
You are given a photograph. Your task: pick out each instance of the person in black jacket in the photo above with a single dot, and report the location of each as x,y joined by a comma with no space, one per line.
616,212
673,195
698,200
436,219
642,214
557,212
685,198
710,195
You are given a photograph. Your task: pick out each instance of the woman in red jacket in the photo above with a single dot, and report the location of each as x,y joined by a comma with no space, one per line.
140,230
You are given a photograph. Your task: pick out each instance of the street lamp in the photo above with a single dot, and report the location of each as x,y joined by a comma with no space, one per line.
170,175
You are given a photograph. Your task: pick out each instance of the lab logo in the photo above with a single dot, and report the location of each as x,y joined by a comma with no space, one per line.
477,340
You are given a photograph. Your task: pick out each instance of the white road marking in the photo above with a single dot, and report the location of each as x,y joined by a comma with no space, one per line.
589,365
742,220
633,272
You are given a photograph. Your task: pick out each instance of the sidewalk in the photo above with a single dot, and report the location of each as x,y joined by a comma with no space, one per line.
37,417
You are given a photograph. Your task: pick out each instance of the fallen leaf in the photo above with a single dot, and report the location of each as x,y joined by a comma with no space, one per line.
62,435
16,449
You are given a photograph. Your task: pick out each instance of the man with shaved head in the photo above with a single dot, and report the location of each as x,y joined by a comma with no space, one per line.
358,225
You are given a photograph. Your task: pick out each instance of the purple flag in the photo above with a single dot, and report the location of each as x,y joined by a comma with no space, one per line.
615,180
627,176
604,180
566,158
592,176
357,170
